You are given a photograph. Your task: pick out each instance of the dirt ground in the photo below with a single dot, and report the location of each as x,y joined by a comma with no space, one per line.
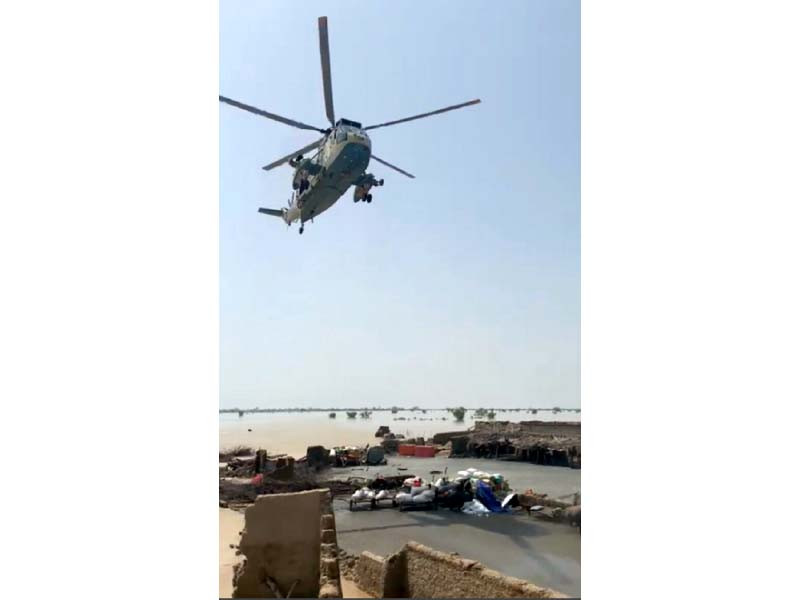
351,590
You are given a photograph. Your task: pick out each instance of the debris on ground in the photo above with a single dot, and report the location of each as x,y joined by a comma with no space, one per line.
247,475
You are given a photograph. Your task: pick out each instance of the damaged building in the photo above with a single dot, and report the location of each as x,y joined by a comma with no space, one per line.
555,443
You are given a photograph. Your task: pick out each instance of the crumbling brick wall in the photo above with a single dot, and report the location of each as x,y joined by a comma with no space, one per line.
368,573
433,574
330,583
417,571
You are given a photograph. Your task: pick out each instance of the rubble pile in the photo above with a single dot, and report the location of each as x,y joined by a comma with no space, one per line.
235,491
244,478
348,564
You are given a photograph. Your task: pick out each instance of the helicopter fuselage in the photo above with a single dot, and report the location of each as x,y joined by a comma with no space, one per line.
341,155
340,162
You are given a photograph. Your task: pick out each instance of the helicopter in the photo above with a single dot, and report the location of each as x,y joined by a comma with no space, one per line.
340,157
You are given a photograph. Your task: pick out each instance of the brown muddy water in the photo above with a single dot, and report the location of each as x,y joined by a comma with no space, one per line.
292,433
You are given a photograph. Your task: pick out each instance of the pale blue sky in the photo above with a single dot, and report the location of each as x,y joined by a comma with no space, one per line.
460,287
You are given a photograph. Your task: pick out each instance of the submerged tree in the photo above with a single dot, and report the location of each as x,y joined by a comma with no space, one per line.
490,415
459,413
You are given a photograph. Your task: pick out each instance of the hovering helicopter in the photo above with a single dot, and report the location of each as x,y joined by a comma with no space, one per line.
341,155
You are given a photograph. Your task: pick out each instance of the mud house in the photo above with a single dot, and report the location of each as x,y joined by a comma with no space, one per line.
555,443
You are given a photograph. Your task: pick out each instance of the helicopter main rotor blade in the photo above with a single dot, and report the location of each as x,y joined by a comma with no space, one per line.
391,166
288,157
269,115
427,114
325,59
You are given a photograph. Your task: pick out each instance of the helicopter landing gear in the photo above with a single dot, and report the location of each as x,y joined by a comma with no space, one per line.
369,198
302,228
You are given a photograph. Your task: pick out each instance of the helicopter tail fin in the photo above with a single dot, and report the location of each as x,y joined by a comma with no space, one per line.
271,211
289,215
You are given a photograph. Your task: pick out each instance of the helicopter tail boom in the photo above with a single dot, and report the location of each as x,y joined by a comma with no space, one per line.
271,211
289,215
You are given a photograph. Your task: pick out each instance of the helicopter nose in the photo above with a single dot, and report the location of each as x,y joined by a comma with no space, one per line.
354,156
357,151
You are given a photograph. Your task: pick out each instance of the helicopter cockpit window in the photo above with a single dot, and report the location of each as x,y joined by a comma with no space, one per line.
341,135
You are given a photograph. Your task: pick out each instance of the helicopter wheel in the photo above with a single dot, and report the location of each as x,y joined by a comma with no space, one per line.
369,198
301,230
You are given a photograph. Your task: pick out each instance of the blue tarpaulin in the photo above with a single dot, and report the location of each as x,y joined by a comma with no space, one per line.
486,496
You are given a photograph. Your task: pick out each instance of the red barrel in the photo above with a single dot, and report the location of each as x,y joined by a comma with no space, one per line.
425,451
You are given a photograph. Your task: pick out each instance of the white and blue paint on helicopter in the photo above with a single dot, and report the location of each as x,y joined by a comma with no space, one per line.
342,154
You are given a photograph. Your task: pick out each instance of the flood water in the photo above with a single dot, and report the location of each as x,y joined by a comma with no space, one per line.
519,545
292,433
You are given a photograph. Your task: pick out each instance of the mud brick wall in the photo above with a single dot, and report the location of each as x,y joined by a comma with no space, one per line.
368,574
444,437
417,571
330,583
433,574
281,540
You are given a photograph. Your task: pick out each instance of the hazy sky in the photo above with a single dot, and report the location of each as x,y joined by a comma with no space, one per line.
460,287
